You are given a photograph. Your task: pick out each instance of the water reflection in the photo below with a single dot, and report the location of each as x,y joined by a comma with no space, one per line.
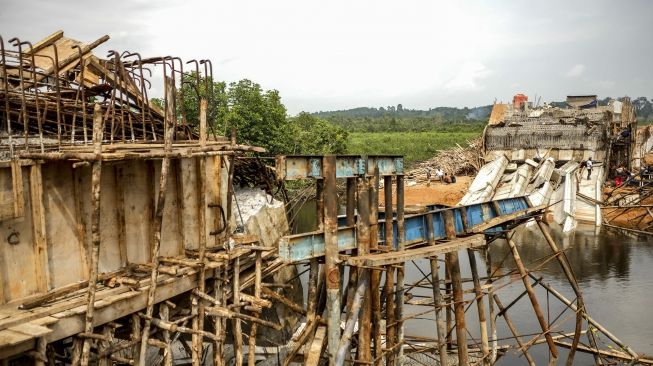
595,254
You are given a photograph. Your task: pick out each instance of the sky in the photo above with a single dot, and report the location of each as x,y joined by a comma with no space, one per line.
337,54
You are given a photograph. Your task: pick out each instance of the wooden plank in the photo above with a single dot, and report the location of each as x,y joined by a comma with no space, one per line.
9,337
81,219
31,329
120,213
17,180
504,218
38,227
65,263
315,348
45,42
389,258
46,320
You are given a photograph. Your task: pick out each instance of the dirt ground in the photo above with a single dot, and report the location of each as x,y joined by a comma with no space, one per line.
440,193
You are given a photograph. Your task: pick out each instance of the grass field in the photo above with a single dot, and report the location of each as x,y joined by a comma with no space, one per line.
414,146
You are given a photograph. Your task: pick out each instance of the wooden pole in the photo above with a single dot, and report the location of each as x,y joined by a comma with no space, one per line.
531,295
236,323
164,313
251,359
157,222
390,329
198,322
485,346
589,319
357,303
332,272
514,332
438,302
571,278
493,321
98,128
399,292
363,242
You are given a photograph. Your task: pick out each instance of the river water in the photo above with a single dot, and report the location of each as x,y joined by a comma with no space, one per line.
614,270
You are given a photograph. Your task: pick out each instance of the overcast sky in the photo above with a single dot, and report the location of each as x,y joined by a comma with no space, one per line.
344,54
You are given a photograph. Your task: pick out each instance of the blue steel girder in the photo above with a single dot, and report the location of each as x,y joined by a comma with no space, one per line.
293,167
480,218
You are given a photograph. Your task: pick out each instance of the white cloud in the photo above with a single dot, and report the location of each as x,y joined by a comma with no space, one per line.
468,78
576,71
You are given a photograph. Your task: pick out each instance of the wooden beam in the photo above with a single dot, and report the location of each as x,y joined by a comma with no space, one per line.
315,349
391,258
45,42
38,228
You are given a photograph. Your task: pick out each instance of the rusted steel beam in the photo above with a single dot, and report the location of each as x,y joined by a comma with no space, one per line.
332,270
363,240
391,330
375,279
399,291
438,301
457,288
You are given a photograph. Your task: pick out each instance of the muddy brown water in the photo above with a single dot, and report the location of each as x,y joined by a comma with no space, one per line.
614,270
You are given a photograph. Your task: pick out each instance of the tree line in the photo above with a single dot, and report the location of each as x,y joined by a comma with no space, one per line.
259,117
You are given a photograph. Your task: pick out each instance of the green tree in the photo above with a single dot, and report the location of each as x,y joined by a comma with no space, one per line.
258,116
309,134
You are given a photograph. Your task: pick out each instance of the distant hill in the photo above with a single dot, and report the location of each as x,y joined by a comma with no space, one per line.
447,113
399,119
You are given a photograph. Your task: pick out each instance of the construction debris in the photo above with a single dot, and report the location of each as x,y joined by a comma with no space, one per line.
459,160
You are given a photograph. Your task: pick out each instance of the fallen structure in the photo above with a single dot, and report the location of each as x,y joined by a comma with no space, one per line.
359,301
545,150
123,238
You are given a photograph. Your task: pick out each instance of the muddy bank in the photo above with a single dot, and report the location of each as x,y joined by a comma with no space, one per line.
436,193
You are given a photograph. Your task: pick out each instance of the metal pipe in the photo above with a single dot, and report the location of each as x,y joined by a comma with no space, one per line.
5,84
82,91
17,43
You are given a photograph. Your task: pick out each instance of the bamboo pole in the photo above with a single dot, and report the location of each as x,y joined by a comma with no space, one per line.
514,332
399,292
98,128
485,347
363,243
438,301
390,332
531,295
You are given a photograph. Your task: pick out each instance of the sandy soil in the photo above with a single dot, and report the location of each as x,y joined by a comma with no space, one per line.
440,193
